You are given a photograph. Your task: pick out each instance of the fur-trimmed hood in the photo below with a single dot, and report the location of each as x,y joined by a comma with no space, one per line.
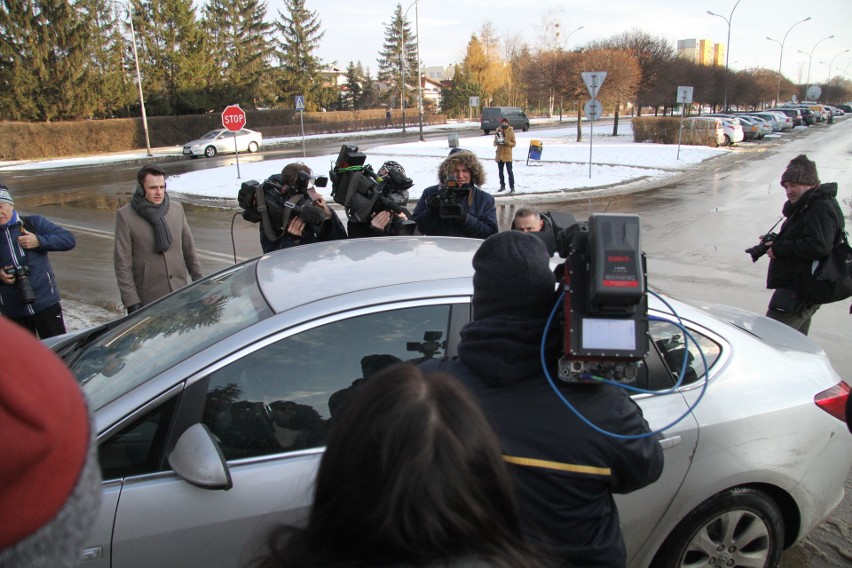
469,159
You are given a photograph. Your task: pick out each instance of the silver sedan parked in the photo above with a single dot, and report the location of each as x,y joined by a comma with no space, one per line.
212,407
221,141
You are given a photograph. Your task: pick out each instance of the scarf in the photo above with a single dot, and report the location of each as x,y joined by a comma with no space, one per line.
156,215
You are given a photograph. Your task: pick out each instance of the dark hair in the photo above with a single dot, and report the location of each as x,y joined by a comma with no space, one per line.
412,474
148,170
290,173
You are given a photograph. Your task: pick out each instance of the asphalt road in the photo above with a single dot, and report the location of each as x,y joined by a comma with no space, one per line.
694,231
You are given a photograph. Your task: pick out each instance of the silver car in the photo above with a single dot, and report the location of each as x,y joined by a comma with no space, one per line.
213,404
221,141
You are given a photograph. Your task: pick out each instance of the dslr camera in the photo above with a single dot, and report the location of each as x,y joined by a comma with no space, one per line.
363,193
760,248
449,198
26,295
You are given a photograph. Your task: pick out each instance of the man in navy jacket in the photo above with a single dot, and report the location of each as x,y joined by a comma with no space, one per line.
565,473
28,291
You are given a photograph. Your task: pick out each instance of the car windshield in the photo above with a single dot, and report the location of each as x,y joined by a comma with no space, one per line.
168,332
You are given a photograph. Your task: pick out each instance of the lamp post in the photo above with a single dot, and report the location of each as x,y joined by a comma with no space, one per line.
727,48
572,33
781,57
831,64
811,55
402,64
419,76
138,77
846,68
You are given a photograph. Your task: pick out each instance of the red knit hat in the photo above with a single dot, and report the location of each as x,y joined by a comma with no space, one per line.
46,449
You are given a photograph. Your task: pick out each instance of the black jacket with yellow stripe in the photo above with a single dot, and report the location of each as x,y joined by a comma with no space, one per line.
565,472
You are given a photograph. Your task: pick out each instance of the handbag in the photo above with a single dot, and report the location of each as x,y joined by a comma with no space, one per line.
831,281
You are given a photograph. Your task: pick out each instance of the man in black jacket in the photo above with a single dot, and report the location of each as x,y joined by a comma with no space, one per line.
565,472
814,219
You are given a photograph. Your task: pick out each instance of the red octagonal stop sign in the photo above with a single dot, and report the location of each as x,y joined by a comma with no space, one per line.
233,118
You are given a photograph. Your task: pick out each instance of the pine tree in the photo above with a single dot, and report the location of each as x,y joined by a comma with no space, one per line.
399,40
176,65
43,52
352,97
299,71
239,42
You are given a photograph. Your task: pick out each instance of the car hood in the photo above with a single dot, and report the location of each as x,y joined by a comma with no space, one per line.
772,332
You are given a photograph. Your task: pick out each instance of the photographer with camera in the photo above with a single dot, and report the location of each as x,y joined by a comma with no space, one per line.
813,220
28,291
504,141
565,473
388,215
457,207
302,216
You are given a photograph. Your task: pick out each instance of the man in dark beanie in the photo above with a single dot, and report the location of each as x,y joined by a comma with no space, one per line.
154,250
565,473
473,213
49,474
813,222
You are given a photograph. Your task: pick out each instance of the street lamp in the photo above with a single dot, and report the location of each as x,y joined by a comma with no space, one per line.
727,48
780,57
572,33
138,76
831,65
811,55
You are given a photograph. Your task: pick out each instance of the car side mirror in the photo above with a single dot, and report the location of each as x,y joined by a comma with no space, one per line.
198,459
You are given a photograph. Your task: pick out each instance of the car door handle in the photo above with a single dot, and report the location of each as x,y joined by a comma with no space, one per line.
93,553
670,442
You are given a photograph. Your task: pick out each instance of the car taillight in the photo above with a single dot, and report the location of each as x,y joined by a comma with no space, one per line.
833,400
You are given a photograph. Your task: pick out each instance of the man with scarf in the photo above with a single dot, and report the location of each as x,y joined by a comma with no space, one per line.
28,292
154,250
565,473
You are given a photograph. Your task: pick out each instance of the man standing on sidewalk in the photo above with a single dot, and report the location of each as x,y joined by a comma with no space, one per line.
504,140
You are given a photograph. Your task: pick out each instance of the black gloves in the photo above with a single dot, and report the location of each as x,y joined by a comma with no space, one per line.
133,308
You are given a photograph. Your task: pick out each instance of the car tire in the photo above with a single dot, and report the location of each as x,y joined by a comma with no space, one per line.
732,526
487,132
210,151
526,127
252,147
727,141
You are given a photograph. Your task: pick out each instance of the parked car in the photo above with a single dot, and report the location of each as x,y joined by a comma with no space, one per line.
221,141
763,124
845,108
717,136
751,131
733,131
794,114
212,405
771,118
491,116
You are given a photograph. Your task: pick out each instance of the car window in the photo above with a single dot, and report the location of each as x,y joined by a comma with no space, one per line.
285,395
668,340
138,448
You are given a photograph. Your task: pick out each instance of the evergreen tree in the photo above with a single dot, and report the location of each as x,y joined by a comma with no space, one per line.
353,95
112,77
239,43
176,65
299,71
43,52
391,57
455,100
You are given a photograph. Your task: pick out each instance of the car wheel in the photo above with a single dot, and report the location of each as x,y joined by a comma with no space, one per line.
487,132
210,151
739,527
526,127
252,147
727,141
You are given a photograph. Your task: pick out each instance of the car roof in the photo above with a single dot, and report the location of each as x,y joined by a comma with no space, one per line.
300,275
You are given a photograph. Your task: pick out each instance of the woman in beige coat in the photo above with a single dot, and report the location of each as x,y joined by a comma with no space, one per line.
154,250
504,139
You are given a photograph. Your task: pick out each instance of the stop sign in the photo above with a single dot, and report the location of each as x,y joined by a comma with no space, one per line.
233,118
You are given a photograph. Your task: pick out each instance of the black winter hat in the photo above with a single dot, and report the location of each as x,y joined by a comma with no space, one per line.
800,170
512,277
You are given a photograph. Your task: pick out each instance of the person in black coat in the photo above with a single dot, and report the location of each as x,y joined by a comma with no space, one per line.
813,220
477,212
565,473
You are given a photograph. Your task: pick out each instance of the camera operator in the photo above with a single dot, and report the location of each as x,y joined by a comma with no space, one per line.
301,230
565,473
457,207
28,291
388,220
813,219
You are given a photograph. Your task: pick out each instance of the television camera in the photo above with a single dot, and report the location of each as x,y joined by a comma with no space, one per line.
363,192
605,303
273,203
449,197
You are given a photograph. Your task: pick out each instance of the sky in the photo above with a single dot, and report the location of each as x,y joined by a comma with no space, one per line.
355,30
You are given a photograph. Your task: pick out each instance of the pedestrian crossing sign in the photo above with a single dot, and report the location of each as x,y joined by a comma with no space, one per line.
300,102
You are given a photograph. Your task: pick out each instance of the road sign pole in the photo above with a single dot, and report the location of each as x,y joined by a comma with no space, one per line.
234,120
237,154
591,138
593,81
300,106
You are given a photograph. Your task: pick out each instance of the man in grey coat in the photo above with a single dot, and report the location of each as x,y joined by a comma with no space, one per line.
154,250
